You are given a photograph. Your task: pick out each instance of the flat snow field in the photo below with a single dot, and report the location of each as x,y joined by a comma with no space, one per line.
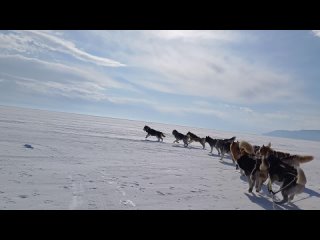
86,162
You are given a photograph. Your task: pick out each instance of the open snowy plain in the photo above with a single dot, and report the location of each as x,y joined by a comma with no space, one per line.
86,162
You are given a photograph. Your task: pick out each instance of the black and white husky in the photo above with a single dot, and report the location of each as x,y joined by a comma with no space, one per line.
212,142
293,178
152,132
195,138
223,146
180,136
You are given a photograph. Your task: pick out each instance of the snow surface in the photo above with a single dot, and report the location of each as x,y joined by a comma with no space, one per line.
52,160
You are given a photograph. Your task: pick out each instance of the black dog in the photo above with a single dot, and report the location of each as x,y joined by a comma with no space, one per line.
293,180
195,138
223,146
180,136
248,164
212,142
152,132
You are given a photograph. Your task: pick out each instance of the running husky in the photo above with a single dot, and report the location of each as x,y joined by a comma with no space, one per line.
180,136
212,142
152,132
293,178
249,163
293,160
195,138
223,146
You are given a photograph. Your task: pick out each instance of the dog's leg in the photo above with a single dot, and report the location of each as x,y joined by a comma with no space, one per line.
234,162
147,135
291,197
176,141
269,185
203,143
259,182
218,151
284,200
294,191
250,184
211,149
185,142
285,197
222,155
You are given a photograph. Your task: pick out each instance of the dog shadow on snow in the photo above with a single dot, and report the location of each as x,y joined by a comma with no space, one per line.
228,163
188,147
150,141
267,203
310,192
264,199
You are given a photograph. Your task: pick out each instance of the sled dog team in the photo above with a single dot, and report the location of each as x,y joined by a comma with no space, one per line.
257,163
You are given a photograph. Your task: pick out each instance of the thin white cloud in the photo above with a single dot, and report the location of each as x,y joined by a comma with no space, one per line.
84,91
199,67
58,79
25,41
70,47
246,109
191,35
130,101
197,72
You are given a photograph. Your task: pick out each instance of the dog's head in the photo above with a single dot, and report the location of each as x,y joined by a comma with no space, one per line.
265,150
256,148
146,128
174,132
208,139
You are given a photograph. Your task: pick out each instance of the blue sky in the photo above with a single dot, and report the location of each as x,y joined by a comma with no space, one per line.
245,81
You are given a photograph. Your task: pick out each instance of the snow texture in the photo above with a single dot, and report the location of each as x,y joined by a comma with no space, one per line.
51,160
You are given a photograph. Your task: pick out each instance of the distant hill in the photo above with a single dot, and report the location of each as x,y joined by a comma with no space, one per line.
313,135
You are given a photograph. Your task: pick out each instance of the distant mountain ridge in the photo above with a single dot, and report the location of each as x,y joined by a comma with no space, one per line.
312,135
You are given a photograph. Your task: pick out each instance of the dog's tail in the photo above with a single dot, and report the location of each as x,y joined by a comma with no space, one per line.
303,159
301,177
163,135
247,147
296,160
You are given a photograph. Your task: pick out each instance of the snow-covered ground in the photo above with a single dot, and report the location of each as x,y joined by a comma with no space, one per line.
87,162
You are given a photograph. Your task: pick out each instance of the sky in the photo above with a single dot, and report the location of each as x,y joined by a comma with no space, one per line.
244,81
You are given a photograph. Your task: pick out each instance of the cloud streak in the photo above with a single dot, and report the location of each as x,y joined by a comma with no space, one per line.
58,79
200,67
30,40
